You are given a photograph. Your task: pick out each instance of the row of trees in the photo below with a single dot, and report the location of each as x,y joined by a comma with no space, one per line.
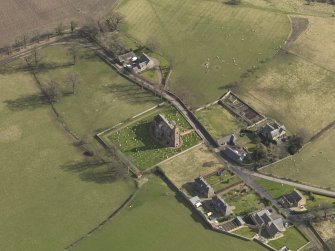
36,37
320,1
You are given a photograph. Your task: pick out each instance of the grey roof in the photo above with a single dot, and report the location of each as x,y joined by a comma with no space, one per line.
220,205
234,154
273,130
160,118
294,197
203,187
126,57
273,226
195,200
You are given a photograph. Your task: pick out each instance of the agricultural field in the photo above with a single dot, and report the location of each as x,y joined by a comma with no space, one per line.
103,98
295,92
313,165
190,165
291,239
218,121
295,7
30,16
314,45
209,44
135,141
161,217
50,195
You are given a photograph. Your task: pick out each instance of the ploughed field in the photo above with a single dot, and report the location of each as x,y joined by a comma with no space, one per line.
26,16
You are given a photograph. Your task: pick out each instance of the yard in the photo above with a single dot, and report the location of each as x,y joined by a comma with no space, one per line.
313,165
50,194
158,220
135,140
277,190
218,121
209,44
244,202
190,165
221,182
246,232
291,239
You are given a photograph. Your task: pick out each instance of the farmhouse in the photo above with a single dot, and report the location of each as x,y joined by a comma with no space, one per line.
220,206
203,188
143,63
273,131
138,64
293,199
235,155
264,219
127,57
165,132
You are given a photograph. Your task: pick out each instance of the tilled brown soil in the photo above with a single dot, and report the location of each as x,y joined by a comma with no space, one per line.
26,16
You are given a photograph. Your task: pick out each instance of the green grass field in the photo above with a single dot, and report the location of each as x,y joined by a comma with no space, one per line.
295,92
277,190
291,239
218,121
135,140
103,99
209,44
158,220
49,196
313,165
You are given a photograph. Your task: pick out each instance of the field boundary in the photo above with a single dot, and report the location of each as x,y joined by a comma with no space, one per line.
103,223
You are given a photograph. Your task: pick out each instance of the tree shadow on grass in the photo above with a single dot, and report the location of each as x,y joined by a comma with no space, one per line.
96,171
11,69
142,133
130,93
42,67
27,102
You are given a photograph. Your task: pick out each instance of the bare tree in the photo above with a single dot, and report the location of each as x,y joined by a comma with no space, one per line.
90,29
73,26
60,29
24,38
114,20
74,80
36,36
116,46
54,92
73,51
37,55
9,49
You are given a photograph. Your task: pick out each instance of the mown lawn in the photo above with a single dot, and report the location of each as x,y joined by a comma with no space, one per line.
136,142
50,195
277,190
209,44
218,121
158,220
291,239
246,232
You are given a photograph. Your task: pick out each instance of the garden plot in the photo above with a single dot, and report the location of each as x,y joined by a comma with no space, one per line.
184,168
